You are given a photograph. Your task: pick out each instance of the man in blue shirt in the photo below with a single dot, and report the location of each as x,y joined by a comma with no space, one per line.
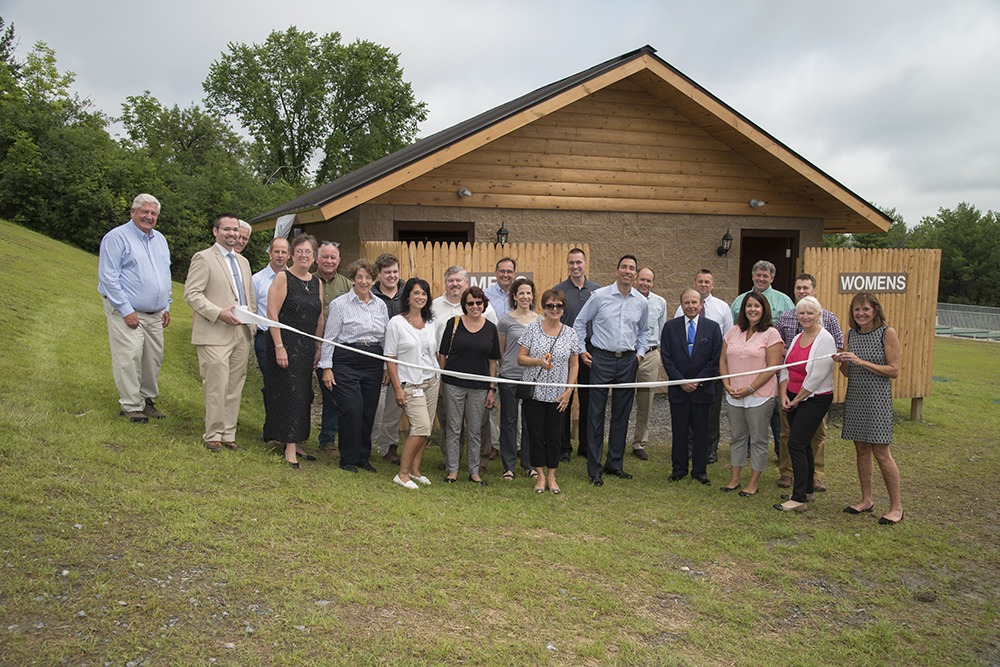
618,317
133,276
499,292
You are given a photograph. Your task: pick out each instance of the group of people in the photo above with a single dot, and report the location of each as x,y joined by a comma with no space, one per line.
379,345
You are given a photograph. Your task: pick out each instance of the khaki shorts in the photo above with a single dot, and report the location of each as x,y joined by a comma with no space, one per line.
420,410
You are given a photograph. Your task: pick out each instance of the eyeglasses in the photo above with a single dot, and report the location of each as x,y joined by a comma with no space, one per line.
335,244
473,303
554,306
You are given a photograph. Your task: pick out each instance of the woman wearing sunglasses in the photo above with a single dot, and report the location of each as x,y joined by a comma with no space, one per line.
469,344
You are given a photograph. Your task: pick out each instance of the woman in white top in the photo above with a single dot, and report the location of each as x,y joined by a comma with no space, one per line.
806,392
411,338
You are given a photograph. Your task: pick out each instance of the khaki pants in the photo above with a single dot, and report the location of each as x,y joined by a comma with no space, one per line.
387,417
818,447
649,371
136,356
223,372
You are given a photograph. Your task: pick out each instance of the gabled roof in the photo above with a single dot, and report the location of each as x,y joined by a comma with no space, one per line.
842,209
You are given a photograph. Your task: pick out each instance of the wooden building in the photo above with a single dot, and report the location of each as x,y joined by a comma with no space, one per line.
630,156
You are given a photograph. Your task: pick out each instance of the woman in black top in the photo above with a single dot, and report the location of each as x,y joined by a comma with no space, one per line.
469,345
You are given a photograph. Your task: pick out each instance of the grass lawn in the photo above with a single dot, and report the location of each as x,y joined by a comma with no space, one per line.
132,544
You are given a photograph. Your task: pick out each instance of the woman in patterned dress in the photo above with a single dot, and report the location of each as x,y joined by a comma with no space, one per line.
550,350
870,361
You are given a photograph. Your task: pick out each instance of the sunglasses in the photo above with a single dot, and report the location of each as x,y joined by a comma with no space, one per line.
473,303
335,244
554,306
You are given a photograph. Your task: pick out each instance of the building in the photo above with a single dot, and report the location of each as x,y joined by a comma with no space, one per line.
630,156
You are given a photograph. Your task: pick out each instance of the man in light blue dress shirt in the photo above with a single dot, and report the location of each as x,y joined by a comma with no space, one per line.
499,292
277,251
618,316
133,276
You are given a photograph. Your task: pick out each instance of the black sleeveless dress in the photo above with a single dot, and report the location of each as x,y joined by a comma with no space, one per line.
289,394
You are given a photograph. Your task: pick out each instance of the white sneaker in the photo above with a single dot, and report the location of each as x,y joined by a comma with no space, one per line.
408,484
423,480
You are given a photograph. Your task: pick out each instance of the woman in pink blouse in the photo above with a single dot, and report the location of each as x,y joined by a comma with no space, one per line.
752,345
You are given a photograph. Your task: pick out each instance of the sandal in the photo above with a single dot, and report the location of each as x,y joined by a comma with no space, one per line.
533,473
508,474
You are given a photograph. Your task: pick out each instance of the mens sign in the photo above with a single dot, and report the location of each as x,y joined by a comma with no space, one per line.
892,283
484,280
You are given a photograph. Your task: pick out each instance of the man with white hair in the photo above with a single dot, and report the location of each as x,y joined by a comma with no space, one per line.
133,277
244,238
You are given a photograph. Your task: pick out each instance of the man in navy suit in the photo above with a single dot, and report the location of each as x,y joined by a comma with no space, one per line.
690,347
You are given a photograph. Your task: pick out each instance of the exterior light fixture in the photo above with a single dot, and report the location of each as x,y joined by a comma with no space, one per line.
502,234
464,193
756,203
727,243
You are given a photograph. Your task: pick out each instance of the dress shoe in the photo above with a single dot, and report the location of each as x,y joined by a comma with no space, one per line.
726,489
306,457
213,446
450,480
327,446
713,458
368,466
134,417
701,479
851,510
744,494
230,444
408,484
494,453
785,482
889,522
150,410
597,481
348,467
640,453
391,456
794,507
566,457
581,453
818,486
294,464
480,482
618,473
676,478
420,478
809,497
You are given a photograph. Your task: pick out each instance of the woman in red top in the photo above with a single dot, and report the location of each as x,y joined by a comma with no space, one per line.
806,392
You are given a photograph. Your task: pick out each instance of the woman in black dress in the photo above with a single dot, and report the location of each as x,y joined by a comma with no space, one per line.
294,299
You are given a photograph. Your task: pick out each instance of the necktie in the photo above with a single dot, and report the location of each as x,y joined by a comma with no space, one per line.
236,276
690,337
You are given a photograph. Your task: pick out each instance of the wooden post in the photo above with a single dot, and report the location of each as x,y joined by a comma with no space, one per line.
917,409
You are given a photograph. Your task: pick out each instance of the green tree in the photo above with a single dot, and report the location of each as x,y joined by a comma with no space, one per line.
894,238
970,253
298,94
197,167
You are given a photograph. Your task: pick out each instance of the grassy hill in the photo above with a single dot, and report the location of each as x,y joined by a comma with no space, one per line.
128,544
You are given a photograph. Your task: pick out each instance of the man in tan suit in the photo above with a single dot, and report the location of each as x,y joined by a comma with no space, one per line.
218,282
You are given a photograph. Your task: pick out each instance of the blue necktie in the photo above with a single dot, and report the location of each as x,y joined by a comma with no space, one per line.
690,337
236,276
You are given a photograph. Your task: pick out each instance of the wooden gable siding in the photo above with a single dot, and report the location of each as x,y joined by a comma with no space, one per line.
618,149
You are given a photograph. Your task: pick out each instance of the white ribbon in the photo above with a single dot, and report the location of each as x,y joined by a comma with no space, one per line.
247,317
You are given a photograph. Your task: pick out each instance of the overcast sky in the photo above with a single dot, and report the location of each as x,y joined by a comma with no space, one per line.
896,99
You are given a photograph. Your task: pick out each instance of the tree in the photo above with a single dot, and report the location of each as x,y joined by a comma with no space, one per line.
298,93
970,253
894,238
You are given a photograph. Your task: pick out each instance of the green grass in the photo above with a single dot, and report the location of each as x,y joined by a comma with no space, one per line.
177,556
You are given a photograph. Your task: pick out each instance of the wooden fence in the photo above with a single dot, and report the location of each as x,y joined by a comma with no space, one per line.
546,261
912,313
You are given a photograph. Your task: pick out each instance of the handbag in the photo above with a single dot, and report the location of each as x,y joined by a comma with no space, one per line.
526,391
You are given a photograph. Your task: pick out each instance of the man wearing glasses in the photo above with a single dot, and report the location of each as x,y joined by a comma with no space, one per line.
619,317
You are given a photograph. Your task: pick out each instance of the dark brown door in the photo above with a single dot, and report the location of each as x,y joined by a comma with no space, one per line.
780,247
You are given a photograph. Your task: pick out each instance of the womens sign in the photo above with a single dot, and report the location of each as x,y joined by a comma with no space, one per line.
850,283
